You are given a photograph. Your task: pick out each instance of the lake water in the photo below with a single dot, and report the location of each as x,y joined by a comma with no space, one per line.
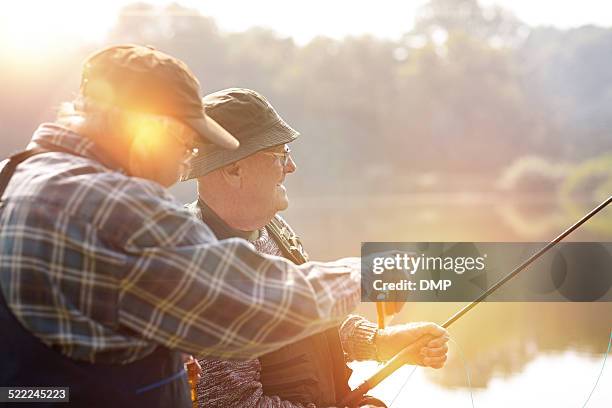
557,380
519,354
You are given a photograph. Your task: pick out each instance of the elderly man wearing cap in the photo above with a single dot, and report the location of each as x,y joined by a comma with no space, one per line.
106,279
240,193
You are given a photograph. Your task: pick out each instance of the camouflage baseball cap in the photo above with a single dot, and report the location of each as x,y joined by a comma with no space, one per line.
143,79
248,116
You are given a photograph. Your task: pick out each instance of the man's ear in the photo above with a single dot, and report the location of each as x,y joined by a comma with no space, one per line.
232,174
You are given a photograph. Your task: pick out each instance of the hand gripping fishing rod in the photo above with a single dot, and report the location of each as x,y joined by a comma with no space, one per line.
403,356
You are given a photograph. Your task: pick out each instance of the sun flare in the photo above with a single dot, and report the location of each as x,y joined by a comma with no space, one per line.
43,27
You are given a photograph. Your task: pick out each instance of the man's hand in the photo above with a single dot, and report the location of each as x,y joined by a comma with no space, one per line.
426,342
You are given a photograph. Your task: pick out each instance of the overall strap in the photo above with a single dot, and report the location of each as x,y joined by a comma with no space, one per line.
287,240
9,168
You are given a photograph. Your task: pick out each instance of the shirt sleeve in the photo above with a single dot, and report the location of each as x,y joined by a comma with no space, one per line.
184,289
232,384
358,338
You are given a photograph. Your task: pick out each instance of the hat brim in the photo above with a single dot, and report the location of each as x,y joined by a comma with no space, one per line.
279,133
211,132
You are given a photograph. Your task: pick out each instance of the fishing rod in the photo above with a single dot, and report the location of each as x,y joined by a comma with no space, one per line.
404,356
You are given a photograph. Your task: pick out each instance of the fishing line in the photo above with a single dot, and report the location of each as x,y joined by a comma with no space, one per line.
469,380
403,386
602,370
467,370
465,367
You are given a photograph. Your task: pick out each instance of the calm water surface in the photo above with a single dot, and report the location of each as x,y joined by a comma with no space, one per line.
518,354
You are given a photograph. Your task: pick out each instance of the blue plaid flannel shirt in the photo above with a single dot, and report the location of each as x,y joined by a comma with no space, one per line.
104,267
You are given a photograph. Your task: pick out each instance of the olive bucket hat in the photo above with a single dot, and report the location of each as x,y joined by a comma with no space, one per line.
248,116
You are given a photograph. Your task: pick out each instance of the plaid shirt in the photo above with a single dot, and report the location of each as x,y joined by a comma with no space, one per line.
104,267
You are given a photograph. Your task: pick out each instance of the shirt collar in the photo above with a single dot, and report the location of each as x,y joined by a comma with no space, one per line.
50,135
221,229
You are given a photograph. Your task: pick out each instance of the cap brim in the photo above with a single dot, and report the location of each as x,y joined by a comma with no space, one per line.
211,132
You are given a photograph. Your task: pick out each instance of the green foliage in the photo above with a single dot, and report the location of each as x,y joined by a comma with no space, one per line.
464,93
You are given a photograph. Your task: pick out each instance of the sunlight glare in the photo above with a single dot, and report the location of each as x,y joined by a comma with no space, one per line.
29,28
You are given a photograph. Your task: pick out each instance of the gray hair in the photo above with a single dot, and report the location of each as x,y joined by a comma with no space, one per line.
88,117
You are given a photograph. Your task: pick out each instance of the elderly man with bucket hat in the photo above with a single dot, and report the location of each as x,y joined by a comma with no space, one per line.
106,280
240,193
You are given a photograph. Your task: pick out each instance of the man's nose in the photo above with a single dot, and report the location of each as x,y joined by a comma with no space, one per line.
291,166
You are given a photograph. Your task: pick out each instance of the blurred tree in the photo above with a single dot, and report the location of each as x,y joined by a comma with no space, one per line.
569,74
464,94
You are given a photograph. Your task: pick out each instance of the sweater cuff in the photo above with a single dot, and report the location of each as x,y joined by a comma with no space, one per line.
360,343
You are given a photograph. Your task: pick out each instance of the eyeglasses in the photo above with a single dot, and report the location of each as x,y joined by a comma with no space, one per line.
284,156
191,150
